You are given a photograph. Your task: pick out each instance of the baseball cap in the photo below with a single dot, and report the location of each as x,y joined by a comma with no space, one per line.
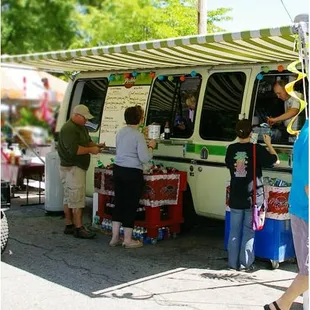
82,110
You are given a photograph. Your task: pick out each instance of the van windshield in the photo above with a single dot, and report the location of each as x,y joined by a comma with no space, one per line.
92,93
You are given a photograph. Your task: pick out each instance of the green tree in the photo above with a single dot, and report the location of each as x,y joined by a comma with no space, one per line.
44,25
37,25
139,20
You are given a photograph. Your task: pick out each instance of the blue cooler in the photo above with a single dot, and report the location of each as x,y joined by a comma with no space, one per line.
274,242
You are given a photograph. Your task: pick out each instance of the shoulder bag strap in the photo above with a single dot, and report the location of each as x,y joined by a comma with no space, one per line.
254,174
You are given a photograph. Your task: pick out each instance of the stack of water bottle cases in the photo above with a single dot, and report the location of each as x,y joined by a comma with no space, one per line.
139,233
159,215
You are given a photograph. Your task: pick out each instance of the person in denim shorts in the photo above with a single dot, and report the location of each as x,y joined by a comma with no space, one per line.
74,149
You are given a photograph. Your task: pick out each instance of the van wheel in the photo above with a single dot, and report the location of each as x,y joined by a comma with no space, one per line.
4,232
189,214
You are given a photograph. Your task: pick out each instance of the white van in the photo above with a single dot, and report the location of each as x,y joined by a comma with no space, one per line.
230,75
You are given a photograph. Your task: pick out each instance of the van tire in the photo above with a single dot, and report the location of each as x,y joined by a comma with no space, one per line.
191,219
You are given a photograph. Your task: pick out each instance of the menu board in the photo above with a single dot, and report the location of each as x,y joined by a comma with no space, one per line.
119,98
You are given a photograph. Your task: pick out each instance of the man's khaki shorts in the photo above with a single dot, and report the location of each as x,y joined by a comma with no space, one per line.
74,182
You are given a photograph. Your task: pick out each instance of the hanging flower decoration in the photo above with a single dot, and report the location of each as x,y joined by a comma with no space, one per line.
265,69
182,78
152,75
193,73
280,68
127,75
259,76
111,77
170,78
134,74
161,77
117,77
143,75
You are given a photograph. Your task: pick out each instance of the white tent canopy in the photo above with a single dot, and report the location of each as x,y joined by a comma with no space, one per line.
21,82
257,46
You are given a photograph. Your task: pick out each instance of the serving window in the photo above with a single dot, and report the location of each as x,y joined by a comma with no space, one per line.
222,105
265,104
174,99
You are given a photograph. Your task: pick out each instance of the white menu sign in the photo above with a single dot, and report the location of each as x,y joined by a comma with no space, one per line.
118,99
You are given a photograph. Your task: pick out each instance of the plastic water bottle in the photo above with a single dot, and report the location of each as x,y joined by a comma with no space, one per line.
167,234
147,240
103,224
96,219
160,234
142,234
121,232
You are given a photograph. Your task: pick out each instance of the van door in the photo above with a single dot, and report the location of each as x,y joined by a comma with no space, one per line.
223,104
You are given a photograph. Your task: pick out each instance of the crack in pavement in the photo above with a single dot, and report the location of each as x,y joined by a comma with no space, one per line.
29,244
88,271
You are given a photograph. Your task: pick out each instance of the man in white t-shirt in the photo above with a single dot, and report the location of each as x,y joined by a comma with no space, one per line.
291,107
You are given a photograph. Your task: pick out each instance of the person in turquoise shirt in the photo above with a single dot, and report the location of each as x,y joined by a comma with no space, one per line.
299,211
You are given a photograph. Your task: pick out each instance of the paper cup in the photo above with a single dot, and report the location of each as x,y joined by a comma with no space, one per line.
153,132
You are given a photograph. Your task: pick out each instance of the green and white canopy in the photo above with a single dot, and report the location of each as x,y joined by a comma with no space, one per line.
258,46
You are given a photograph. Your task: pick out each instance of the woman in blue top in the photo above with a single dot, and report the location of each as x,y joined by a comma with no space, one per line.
299,210
131,153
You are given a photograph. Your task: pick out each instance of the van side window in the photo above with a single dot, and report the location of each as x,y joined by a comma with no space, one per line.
222,105
266,103
174,100
90,92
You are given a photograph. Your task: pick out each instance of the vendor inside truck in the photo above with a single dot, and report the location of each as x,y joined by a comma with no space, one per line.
274,107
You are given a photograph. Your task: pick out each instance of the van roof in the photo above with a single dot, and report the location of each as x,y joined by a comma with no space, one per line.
256,46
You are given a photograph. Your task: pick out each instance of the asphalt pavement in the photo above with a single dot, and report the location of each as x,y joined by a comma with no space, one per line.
44,269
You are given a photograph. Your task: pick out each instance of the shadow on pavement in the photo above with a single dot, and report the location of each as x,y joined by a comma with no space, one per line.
37,245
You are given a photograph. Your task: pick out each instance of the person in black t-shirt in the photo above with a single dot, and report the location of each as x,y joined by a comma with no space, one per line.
239,160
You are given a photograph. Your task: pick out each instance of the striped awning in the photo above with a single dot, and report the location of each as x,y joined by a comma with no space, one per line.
258,46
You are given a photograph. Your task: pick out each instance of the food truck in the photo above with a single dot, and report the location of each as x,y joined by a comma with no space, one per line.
229,76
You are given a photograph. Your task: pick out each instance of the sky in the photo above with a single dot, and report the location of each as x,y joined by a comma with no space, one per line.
257,14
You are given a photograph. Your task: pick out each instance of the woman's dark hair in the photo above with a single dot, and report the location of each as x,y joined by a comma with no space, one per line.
133,115
243,128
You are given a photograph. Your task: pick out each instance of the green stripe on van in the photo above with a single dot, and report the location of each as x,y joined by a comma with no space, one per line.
283,156
213,149
220,150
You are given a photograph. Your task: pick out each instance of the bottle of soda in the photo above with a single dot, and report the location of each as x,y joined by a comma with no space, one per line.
167,131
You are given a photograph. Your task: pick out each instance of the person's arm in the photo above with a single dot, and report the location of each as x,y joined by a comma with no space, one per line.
82,150
100,145
285,116
267,158
267,140
70,139
145,152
